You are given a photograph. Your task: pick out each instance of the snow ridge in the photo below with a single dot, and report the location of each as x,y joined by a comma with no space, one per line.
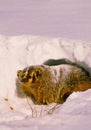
17,52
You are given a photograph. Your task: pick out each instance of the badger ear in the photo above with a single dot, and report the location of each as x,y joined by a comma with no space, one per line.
19,72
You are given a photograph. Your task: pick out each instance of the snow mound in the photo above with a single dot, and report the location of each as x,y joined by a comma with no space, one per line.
17,52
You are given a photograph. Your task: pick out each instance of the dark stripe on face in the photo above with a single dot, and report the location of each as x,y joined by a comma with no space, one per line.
38,73
33,78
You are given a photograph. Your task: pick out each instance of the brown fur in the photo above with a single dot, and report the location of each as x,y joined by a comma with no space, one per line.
40,83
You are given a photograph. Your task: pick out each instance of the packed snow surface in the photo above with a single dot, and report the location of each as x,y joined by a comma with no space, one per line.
17,52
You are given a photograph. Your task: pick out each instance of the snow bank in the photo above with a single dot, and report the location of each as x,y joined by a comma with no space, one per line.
17,52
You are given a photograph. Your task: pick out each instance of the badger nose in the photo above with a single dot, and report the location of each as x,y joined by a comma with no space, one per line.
23,80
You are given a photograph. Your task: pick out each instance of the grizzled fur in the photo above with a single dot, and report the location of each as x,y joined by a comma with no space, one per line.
47,84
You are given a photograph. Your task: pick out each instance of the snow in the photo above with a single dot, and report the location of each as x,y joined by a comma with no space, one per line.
23,27
17,52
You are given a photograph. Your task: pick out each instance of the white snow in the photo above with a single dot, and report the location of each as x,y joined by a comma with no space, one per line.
17,52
